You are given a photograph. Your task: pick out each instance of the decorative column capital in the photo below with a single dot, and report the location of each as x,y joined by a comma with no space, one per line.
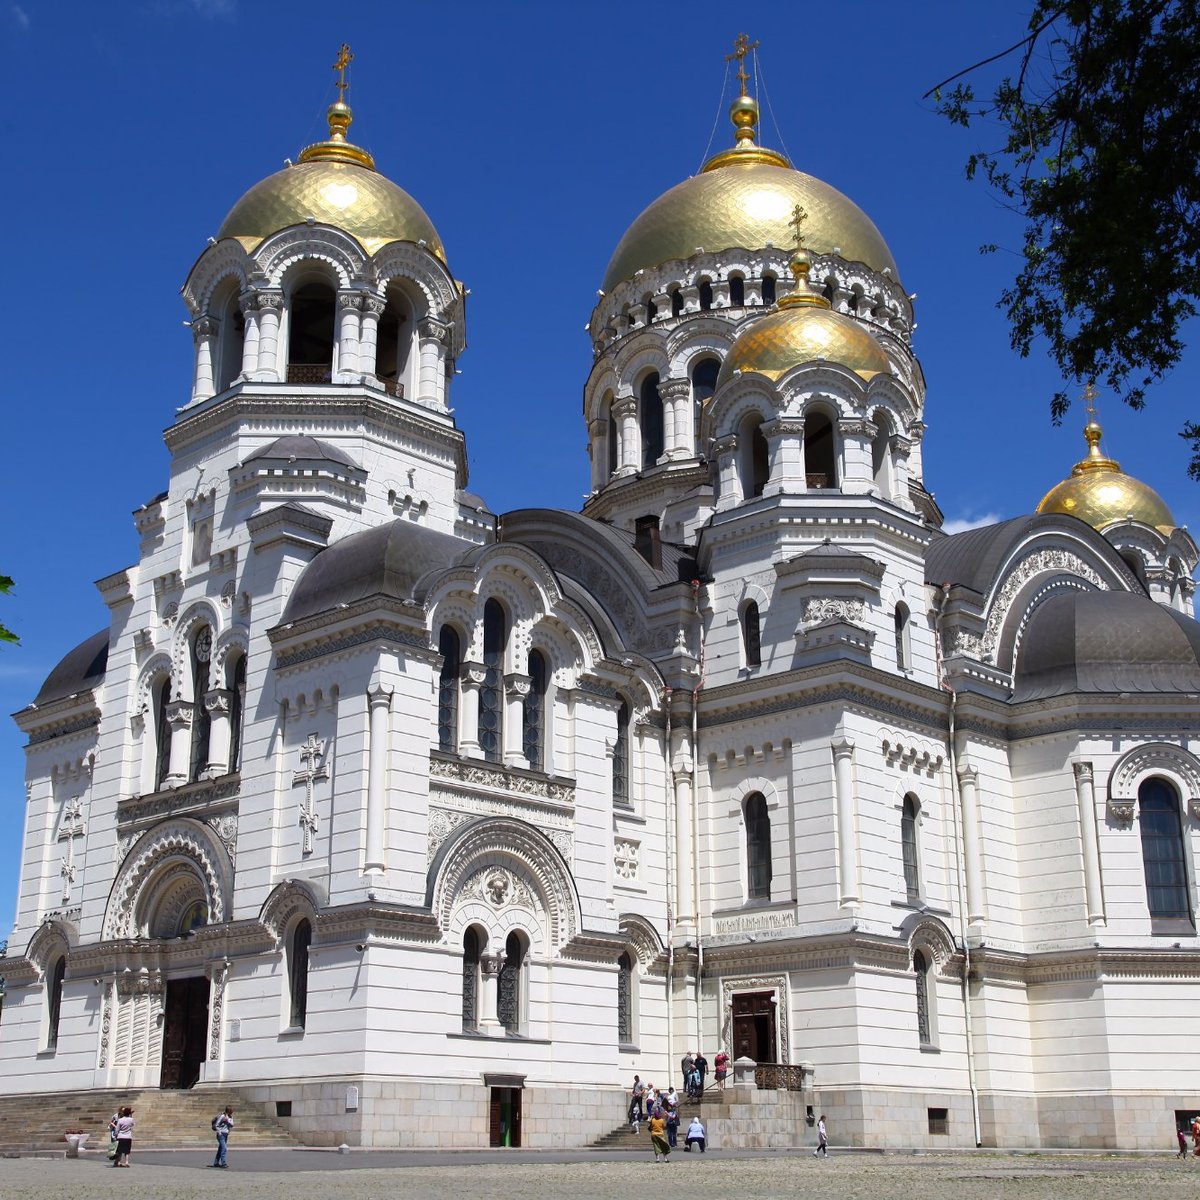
433,330
270,301
783,427
675,389
218,701
379,697
490,964
180,713
1084,772
855,427
624,406
350,300
968,774
473,674
248,302
842,747
203,327
373,306
517,685
725,445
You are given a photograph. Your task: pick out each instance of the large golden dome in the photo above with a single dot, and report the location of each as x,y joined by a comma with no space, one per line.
1101,494
803,329
744,198
334,183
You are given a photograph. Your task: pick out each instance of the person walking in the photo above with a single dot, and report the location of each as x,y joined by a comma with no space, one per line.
822,1139
1182,1139
658,1137
688,1063
701,1070
721,1065
124,1137
695,1135
222,1127
635,1101
672,1114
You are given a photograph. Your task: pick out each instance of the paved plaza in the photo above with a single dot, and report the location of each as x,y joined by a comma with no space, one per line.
583,1175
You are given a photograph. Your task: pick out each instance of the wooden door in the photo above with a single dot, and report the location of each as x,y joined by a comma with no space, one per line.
505,1117
185,1032
754,1027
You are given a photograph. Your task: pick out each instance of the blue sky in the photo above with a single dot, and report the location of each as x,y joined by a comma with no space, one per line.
532,134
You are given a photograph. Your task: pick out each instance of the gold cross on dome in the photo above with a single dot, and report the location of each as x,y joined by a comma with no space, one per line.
344,59
1089,397
742,46
796,224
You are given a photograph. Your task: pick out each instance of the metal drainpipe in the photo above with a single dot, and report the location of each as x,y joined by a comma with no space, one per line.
696,814
943,593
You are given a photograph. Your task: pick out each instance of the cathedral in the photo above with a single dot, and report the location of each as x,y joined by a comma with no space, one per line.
419,821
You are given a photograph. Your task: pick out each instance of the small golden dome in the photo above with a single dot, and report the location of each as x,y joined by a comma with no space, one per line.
334,183
744,198
778,341
1101,494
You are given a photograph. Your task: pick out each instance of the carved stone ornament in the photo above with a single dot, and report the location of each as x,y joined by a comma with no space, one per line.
626,854
827,609
497,885
374,306
349,301
1120,812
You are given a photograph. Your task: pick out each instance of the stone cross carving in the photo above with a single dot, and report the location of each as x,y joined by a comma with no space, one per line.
70,827
311,754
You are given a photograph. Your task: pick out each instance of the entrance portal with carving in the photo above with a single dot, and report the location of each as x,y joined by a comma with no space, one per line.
185,1032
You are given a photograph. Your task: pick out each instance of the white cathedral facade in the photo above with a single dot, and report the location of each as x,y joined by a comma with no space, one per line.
425,821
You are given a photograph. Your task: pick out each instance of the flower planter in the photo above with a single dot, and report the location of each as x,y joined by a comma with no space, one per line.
75,1143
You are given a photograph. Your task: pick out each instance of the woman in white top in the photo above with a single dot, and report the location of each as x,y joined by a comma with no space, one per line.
695,1134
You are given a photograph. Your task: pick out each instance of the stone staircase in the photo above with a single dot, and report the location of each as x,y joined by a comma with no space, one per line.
161,1119
712,1104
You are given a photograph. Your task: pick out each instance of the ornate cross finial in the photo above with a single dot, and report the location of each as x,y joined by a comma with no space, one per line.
742,46
796,224
344,59
1089,398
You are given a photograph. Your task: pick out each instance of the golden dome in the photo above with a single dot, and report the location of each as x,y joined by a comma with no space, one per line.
1101,494
334,183
803,329
744,198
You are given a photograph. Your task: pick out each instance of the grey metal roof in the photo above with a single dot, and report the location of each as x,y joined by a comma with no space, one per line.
388,560
302,446
1109,642
81,669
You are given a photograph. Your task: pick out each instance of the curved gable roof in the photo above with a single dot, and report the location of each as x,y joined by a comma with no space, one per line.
78,671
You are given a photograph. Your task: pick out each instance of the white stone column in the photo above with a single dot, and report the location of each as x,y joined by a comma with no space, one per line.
598,446
901,447
368,339
685,899
843,774
217,704
270,311
204,336
379,704
1085,791
968,787
785,446
249,305
729,482
489,992
516,688
471,681
179,721
624,409
677,414
349,311
433,340
856,477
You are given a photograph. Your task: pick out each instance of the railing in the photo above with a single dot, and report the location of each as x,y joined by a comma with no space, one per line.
393,387
779,1077
816,480
309,373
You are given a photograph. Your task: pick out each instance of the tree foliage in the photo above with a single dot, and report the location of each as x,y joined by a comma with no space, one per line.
6,634
1100,141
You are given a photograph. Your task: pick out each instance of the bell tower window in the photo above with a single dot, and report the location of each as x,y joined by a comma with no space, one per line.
652,420
231,337
534,733
491,697
201,721
311,333
393,352
449,649
820,451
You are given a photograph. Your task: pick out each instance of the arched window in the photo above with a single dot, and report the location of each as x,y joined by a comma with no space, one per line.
704,384
706,294
625,1000
162,732
648,305
1163,857
903,652
768,289
612,435
737,291
310,333
908,849
491,698
921,969
652,420
201,721
676,295
231,337
470,980
298,973
534,723
237,709
820,451
450,650
620,760
511,998
394,342
758,847
751,635
54,1001
754,464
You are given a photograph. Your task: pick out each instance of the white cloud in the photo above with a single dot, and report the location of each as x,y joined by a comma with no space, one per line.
20,17
959,524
